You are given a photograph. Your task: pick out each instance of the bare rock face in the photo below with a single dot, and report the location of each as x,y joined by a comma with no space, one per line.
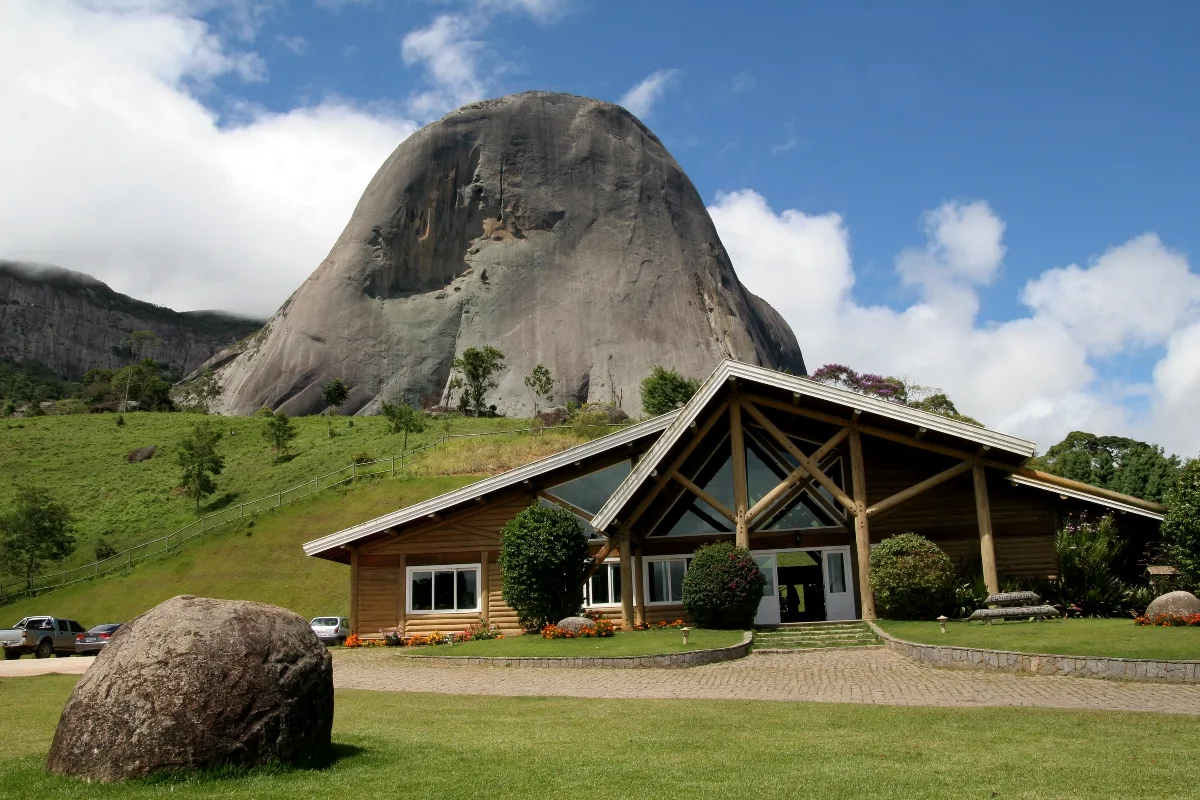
196,682
555,228
1175,604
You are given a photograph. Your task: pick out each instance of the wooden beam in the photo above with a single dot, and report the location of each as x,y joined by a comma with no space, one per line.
485,597
598,560
627,618
353,587
639,599
987,548
862,533
402,594
665,478
1067,483
797,477
717,505
920,488
803,460
741,492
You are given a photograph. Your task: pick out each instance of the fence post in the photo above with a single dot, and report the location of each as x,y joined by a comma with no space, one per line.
278,499
393,466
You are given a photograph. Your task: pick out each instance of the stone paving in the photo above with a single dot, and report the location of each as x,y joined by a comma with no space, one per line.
870,675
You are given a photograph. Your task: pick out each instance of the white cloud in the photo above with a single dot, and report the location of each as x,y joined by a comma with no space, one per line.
1035,376
113,167
641,98
741,83
298,45
786,146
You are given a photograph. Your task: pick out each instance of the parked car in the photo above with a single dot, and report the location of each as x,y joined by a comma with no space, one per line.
96,637
42,636
331,630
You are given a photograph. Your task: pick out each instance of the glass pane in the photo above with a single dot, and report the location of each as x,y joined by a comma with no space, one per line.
615,571
421,591
802,514
836,564
677,568
767,565
590,492
659,582
443,590
599,586
760,477
466,590
587,526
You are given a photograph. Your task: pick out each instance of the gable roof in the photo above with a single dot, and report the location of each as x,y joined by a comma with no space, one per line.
869,408
504,480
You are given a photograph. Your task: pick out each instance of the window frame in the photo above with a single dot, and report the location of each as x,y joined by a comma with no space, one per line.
613,587
647,561
456,568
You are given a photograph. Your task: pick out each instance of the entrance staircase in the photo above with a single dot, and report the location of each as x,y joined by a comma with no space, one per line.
814,635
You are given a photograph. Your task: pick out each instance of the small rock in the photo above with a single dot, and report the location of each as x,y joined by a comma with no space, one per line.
576,624
1175,604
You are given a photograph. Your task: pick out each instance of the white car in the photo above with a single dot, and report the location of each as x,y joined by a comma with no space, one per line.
331,630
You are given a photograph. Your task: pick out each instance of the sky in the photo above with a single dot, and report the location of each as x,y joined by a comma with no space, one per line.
997,201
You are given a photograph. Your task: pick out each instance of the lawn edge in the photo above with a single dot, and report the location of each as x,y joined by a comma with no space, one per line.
692,658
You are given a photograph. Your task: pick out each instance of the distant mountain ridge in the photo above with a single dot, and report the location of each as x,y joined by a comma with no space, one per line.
72,322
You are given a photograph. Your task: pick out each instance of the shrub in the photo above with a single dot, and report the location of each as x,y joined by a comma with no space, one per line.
1181,525
665,390
363,458
911,577
542,559
723,587
1087,551
478,632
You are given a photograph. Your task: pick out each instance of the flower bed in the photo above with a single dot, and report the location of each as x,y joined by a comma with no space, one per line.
393,638
602,628
1170,621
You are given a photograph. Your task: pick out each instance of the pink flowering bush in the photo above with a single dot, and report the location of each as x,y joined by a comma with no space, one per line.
723,587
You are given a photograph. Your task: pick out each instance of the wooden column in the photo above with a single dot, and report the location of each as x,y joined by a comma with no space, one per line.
627,617
987,548
862,534
639,580
485,597
740,490
353,588
402,593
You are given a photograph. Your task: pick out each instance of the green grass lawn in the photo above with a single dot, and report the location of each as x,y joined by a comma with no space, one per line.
1117,638
260,562
624,643
456,746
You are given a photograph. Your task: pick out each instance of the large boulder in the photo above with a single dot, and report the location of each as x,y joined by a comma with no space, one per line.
576,624
555,228
197,682
1174,604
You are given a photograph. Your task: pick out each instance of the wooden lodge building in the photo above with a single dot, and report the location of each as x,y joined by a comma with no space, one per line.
805,475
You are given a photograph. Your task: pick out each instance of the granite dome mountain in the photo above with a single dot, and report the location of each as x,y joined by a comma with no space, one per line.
555,228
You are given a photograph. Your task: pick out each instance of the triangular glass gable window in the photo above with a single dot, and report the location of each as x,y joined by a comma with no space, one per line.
590,492
700,517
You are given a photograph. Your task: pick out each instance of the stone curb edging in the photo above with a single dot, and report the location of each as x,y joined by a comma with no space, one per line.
1136,669
694,658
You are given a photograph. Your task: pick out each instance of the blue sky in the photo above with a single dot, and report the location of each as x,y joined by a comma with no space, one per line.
997,200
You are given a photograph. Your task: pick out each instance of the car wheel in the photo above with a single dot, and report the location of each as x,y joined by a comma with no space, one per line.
44,649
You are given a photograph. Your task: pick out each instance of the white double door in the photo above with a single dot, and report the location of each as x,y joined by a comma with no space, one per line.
835,573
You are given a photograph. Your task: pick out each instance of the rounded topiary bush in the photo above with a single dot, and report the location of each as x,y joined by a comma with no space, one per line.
723,587
911,577
543,551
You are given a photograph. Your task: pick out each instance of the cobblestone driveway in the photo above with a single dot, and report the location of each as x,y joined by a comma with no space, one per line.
873,675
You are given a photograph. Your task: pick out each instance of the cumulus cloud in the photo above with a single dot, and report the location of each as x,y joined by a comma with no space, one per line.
641,98
112,166
1039,375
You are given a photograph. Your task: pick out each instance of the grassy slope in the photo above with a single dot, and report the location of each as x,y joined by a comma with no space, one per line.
424,745
81,459
624,643
1117,638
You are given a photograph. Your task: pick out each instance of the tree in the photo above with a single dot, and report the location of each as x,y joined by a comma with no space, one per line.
405,419
279,431
455,384
37,530
138,342
141,382
665,390
477,368
199,461
1112,462
893,390
723,586
334,393
540,384
543,554
1180,530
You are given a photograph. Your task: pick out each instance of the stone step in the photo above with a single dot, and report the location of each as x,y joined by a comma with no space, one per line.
835,638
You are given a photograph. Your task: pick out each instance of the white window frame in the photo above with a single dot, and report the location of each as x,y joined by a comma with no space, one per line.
408,593
646,562
587,589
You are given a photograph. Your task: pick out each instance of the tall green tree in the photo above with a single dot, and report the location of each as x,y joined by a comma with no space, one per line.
540,384
665,390
38,529
279,431
403,418
478,368
199,461
1180,530
1112,462
334,394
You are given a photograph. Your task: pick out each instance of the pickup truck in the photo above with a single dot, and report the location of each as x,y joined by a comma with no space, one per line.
42,636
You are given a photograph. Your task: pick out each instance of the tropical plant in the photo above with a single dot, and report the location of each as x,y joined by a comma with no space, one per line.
665,390
199,461
1087,551
403,418
540,385
911,578
38,529
478,366
1180,530
334,393
279,432
723,587
543,551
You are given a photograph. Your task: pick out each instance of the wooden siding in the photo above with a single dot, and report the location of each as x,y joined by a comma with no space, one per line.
378,590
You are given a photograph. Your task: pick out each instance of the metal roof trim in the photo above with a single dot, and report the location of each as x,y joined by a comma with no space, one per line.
1082,495
494,483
